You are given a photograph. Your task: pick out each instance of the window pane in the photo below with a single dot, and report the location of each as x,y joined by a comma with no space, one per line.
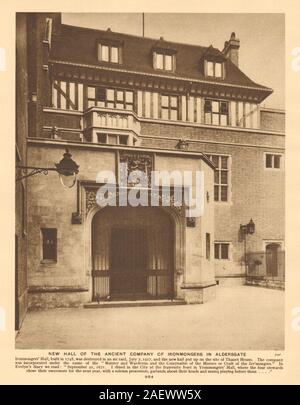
216,193
100,94
224,177
165,101
91,92
215,160
174,115
110,105
276,161
224,160
210,68
49,236
168,62
101,138
268,160
223,193
224,107
215,119
217,176
224,120
173,101
114,54
110,94
91,103
218,69
104,53
129,107
224,250
120,106
207,106
123,140
112,139
129,96
217,249
164,114
215,106
159,61
208,246
207,118
120,95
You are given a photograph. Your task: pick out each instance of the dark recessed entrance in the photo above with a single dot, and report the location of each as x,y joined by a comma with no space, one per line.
128,263
133,254
272,251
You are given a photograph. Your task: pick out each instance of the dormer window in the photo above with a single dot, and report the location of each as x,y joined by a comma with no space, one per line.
164,56
214,69
110,53
163,61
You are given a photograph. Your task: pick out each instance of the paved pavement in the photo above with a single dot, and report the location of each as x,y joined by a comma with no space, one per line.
241,318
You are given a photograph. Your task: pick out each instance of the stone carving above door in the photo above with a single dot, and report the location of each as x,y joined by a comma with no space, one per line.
136,161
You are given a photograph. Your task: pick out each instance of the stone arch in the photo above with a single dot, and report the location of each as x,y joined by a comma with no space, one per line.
177,218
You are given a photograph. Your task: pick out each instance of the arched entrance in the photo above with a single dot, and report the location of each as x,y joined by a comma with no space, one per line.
133,253
272,250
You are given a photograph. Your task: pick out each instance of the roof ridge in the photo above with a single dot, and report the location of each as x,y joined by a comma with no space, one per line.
139,37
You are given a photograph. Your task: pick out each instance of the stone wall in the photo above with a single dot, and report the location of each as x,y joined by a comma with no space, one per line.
51,206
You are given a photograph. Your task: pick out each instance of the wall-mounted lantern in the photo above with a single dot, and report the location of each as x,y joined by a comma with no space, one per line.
67,170
248,229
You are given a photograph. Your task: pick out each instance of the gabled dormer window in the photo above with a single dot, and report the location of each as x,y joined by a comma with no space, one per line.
163,61
214,69
109,52
164,56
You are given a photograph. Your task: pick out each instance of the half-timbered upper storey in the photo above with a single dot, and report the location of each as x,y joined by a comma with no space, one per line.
118,80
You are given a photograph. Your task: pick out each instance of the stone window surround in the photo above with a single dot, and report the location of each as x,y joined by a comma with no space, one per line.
229,182
220,242
274,169
277,241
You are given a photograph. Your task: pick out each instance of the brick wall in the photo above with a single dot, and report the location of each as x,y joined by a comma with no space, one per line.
255,192
272,120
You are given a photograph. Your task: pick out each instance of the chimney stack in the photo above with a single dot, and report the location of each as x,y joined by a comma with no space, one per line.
231,49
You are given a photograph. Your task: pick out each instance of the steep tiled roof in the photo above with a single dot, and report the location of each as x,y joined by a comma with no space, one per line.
79,45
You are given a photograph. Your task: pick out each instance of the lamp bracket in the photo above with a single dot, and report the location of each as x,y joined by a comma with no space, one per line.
33,171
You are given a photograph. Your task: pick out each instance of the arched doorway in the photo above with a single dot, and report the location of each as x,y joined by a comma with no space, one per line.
272,250
132,253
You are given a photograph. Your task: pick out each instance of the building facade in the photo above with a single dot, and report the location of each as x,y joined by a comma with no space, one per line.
113,98
21,276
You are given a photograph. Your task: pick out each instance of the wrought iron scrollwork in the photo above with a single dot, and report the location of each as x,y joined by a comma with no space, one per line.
32,172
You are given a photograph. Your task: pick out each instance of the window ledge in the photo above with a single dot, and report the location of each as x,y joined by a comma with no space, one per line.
48,262
223,260
106,63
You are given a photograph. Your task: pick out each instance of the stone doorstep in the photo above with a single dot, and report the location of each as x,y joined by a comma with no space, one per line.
138,303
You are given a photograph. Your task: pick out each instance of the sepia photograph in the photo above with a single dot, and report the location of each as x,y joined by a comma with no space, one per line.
150,181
